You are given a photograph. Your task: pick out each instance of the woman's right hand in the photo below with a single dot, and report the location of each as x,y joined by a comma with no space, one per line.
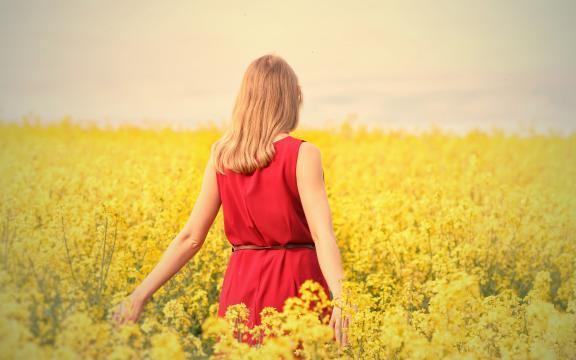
339,325
128,310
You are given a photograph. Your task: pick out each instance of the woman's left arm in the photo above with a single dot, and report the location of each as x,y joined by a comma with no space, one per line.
182,248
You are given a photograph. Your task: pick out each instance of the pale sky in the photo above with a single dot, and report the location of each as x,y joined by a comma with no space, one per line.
399,64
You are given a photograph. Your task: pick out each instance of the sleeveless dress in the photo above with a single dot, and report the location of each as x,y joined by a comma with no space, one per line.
264,209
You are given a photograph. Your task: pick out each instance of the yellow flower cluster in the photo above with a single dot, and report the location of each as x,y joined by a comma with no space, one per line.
453,247
295,332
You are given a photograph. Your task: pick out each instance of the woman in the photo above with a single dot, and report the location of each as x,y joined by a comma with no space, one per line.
276,212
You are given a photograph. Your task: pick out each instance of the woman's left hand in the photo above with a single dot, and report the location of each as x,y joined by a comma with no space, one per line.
128,310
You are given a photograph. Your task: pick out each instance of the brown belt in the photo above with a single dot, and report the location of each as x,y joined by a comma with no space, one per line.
271,247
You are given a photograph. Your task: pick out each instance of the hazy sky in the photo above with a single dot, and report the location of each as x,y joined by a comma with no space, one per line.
457,64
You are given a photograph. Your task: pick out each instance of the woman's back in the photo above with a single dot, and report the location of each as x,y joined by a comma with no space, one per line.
264,209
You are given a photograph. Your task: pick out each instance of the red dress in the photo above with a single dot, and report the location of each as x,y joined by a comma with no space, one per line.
264,209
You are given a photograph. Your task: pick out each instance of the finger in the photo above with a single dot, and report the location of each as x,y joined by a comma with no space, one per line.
118,313
130,313
131,318
338,332
134,318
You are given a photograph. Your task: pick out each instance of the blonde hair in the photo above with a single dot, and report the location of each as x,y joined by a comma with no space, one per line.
267,104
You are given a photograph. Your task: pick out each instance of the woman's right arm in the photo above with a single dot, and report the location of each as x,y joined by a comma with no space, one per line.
310,181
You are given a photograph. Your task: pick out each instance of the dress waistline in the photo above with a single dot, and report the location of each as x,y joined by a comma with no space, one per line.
273,247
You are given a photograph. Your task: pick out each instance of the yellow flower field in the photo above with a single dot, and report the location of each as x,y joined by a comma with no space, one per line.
453,246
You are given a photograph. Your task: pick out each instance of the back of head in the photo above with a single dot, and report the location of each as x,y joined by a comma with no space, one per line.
268,103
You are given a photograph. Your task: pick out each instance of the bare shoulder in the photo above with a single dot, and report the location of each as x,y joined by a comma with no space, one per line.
309,152
309,161
309,171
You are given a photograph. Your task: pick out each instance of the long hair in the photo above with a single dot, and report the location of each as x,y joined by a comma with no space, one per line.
267,104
